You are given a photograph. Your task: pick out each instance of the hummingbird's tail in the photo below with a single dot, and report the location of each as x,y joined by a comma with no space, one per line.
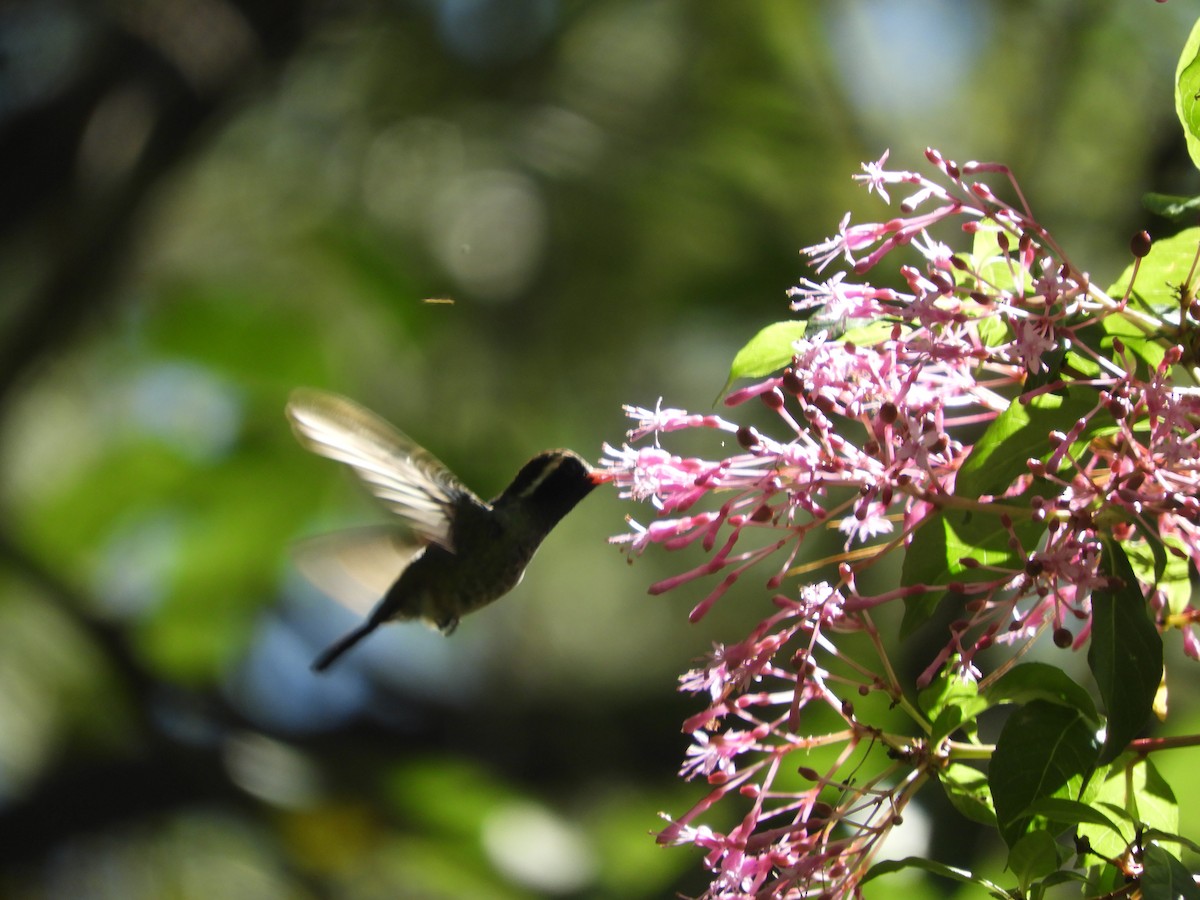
342,644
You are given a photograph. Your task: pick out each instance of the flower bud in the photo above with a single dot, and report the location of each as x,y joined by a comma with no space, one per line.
773,399
1139,244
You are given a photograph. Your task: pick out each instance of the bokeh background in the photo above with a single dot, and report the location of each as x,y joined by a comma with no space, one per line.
204,203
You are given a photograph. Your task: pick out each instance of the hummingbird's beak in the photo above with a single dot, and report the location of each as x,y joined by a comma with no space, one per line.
600,477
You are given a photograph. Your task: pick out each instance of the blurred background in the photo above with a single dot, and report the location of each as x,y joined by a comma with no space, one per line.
204,203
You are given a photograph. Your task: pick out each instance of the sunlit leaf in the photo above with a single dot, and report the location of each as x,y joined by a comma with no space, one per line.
1034,856
938,547
1133,785
942,870
1187,92
967,789
1041,681
767,352
1021,433
951,703
1072,812
1168,571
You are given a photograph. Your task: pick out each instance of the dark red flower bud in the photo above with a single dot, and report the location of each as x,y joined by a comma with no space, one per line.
772,399
1139,244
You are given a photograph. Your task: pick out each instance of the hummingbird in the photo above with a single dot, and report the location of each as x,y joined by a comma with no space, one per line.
451,553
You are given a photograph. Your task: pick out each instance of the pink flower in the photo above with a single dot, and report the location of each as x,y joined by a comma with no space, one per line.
862,527
715,753
876,431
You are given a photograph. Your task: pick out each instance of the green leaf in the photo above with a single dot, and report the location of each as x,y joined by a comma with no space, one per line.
1125,653
868,334
1080,365
1148,347
1034,856
950,701
1016,435
1159,275
1044,750
962,876
1187,92
995,268
1072,812
967,790
1166,878
767,352
1134,786
934,555
1167,571
1170,837
1169,206
1041,681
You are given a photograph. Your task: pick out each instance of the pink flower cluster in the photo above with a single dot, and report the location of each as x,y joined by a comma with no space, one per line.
877,416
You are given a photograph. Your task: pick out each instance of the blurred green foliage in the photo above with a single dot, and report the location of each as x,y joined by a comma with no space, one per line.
613,195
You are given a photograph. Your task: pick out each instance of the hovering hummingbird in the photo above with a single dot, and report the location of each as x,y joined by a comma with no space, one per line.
454,552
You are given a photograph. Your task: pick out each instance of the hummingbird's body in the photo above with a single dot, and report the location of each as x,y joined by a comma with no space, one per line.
462,553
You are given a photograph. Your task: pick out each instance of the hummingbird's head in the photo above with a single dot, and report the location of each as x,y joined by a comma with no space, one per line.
551,484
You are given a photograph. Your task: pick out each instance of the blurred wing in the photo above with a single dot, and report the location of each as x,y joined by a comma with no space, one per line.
356,567
407,478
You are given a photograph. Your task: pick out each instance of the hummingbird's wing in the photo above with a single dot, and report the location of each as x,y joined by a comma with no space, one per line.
356,566
407,478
